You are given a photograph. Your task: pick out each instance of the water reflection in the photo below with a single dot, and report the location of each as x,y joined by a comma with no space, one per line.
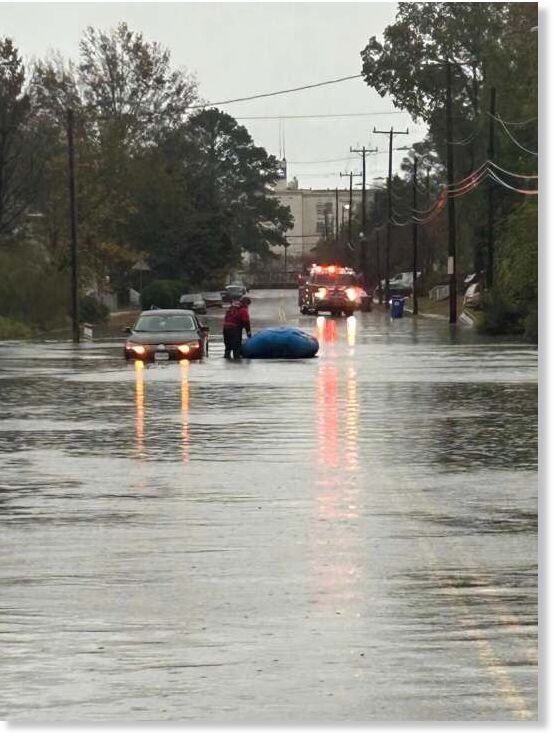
184,368
352,420
139,405
327,415
351,331
326,329
337,539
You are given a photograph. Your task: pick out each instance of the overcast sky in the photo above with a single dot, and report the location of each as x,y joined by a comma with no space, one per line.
238,49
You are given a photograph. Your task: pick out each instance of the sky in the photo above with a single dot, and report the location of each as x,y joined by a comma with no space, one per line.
240,49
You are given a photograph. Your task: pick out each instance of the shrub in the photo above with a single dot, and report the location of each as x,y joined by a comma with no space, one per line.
13,329
531,326
92,310
499,316
32,290
163,293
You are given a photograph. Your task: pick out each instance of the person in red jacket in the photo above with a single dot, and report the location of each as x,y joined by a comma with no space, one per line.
237,319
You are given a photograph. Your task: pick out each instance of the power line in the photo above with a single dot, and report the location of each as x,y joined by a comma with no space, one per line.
512,137
325,161
317,115
279,92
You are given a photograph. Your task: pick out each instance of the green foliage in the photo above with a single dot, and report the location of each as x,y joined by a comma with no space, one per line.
19,161
162,293
499,316
203,197
489,45
512,306
11,329
32,289
92,310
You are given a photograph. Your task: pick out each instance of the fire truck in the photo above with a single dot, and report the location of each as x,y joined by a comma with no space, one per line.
333,289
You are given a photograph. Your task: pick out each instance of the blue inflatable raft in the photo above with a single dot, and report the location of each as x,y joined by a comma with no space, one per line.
280,343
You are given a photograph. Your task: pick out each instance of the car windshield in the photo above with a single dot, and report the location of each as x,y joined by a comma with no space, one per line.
164,323
340,280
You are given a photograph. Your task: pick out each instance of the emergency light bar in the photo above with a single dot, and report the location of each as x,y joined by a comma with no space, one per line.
317,269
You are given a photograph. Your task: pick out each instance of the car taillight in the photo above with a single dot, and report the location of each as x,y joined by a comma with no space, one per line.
321,292
351,293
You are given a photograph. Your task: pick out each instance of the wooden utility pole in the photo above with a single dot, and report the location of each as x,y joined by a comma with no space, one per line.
414,240
364,151
350,175
337,215
73,229
491,153
391,133
453,297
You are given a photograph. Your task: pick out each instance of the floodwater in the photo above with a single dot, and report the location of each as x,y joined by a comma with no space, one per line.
349,538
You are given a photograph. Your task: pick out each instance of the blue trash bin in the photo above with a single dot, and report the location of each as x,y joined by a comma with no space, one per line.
397,306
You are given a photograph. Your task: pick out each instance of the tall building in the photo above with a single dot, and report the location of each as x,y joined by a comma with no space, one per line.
314,212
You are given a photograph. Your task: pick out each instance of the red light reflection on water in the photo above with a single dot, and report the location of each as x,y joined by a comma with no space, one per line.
139,408
184,368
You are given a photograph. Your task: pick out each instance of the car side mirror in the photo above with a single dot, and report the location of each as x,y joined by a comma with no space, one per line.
205,328
127,331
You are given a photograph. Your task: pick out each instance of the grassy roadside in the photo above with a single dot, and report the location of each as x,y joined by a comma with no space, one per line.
431,307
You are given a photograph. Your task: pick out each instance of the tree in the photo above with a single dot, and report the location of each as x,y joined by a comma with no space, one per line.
489,45
209,201
20,159
128,82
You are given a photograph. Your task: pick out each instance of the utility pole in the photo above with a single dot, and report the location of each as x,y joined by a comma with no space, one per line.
350,175
391,135
379,290
451,201
73,228
363,151
490,250
337,215
414,240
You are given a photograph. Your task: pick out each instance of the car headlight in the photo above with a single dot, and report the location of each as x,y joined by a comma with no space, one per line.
351,294
321,292
185,348
140,350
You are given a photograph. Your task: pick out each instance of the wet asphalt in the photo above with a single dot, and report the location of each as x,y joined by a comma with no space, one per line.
347,538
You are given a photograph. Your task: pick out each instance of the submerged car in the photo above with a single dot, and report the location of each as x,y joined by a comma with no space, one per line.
166,335
473,297
212,299
232,292
193,302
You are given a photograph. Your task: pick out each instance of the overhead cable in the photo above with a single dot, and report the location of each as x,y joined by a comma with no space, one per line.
470,138
278,92
513,174
320,115
509,186
511,135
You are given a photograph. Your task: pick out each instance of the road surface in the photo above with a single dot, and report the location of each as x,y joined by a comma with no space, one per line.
349,538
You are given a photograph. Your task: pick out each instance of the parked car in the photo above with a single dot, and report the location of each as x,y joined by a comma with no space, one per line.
232,292
212,299
193,302
473,296
166,335
400,283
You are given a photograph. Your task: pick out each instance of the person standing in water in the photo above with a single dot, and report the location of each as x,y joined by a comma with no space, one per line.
237,319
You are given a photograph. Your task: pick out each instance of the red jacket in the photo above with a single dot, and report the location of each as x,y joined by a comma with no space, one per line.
237,316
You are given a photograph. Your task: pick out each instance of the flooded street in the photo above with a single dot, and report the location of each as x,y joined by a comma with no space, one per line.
351,537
